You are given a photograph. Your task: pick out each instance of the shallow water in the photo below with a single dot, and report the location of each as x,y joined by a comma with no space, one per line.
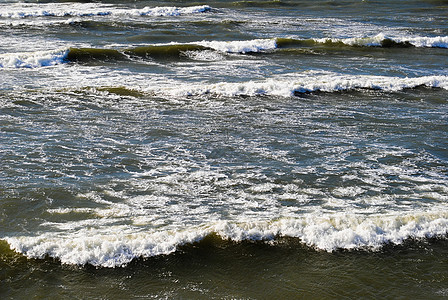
252,149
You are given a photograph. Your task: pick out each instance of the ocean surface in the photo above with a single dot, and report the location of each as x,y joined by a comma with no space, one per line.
224,149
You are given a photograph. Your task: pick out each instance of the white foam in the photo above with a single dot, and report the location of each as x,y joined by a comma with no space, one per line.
186,199
27,10
246,46
70,210
205,55
52,57
106,249
438,41
356,41
33,59
376,41
115,246
287,86
172,10
256,45
345,231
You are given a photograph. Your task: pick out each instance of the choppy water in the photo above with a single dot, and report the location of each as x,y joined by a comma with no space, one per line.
246,149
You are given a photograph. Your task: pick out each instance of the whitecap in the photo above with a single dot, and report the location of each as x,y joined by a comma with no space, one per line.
115,246
27,10
287,86
257,45
33,59
378,40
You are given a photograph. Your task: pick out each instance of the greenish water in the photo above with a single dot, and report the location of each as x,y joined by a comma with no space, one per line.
215,269
223,150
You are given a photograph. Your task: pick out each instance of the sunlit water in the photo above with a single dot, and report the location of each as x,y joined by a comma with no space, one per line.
265,149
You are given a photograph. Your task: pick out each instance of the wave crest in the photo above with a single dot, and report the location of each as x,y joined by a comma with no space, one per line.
307,83
22,10
117,246
33,59
191,50
156,51
379,40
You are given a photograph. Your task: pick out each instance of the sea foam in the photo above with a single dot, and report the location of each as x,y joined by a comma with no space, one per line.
203,52
256,45
287,86
26,10
52,57
380,40
33,59
171,10
115,246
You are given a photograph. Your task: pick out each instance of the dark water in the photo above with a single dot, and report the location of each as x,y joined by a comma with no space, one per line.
255,271
243,150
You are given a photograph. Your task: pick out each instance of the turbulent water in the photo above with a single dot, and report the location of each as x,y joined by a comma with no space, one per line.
200,142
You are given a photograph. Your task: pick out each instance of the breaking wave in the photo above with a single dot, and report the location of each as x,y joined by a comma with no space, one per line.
161,51
18,11
176,50
251,46
117,246
171,51
33,59
306,83
380,40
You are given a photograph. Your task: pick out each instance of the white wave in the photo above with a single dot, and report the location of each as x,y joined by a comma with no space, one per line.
172,10
358,41
105,249
116,246
26,10
33,59
431,42
52,57
248,46
343,230
257,45
377,40
304,83
206,55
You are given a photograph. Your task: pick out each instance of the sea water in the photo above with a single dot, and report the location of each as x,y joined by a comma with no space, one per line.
223,149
